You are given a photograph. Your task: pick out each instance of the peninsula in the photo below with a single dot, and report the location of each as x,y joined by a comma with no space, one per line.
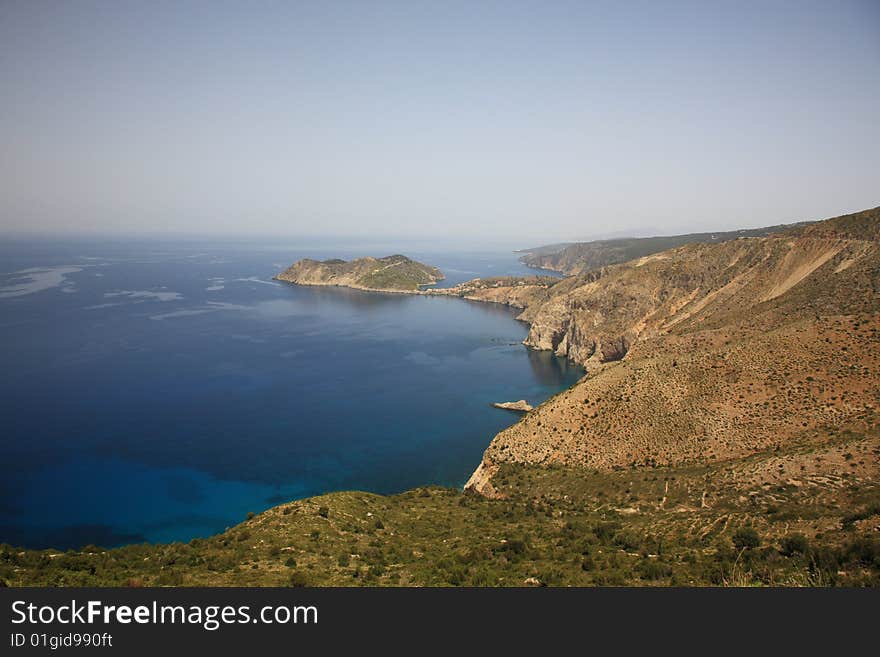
394,273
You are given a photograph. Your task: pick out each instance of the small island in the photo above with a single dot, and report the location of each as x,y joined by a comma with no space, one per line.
395,273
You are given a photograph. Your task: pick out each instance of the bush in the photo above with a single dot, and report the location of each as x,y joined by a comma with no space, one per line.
654,570
514,548
610,578
298,580
865,551
794,544
290,563
605,530
323,511
746,538
628,540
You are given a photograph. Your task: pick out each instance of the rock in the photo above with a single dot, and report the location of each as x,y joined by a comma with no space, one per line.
521,405
532,581
480,481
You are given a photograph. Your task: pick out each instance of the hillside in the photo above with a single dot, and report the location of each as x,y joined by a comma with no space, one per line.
394,273
710,352
580,257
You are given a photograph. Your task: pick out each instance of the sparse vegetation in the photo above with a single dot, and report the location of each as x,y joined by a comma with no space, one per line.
561,526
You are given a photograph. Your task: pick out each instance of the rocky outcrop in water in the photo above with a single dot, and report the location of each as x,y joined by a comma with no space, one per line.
522,406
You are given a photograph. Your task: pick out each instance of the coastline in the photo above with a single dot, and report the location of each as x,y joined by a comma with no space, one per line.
539,268
480,478
458,291
361,288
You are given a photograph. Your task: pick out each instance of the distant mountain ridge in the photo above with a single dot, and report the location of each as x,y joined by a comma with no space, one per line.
573,258
394,273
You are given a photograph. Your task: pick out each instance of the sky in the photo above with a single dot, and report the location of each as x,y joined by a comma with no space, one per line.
491,122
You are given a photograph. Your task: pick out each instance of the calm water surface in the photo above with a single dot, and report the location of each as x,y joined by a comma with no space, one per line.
162,391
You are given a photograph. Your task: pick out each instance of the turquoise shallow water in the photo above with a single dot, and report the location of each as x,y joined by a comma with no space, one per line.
162,391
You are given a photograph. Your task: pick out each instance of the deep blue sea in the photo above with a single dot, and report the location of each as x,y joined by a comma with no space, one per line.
160,391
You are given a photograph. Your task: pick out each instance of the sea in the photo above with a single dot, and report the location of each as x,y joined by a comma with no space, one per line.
161,390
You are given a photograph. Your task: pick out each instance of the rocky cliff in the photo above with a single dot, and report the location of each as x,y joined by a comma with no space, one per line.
710,351
394,273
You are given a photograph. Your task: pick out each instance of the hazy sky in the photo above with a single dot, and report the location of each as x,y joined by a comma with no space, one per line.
527,121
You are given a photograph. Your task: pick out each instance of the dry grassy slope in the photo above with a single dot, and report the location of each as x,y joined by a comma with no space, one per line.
710,352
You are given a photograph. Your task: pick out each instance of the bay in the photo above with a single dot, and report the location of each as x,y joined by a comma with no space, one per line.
161,390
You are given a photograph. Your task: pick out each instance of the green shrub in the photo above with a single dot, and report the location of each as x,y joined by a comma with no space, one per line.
864,551
628,540
323,511
651,569
298,580
604,531
746,538
794,544
610,578
514,546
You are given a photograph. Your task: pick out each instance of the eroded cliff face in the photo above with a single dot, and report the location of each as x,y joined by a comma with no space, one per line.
599,317
710,351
